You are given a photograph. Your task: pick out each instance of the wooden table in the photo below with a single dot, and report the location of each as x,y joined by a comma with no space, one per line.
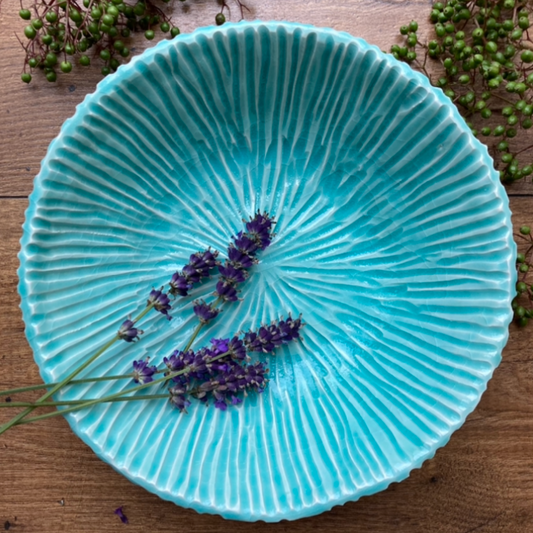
50,481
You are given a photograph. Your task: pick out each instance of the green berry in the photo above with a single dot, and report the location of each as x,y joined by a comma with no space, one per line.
512,120
105,71
449,93
105,55
470,97
525,230
527,170
165,27
491,47
520,88
220,19
413,26
85,61
118,45
486,113
523,23
109,20
511,132
404,30
83,45
125,32
498,130
149,34
520,312
50,59
527,56
464,79
113,11
51,17
508,4
411,40
117,2
25,77
449,28
516,34
29,32
521,287
139,9
25,14
33,62
502,146
66,66
96,13
523,268
114,64
47,40
527,123
507,111
70,49
520,258
486,131
125,52
51,76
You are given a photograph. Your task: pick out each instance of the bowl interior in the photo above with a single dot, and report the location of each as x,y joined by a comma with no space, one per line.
393,241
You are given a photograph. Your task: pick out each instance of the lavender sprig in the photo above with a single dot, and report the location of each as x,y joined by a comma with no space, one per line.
242,255
198,268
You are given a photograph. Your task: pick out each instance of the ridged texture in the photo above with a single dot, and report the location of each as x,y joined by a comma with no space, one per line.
393,240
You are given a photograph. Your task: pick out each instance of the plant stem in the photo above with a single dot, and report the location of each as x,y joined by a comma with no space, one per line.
70,377
111,397
73,382
76,402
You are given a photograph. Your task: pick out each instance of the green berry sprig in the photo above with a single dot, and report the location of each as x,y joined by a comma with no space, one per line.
484,55
64,33
523,302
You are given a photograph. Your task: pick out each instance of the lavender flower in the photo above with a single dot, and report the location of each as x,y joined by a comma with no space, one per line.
205,312
198,267
259,229
121,515
128,332
142,372
160,301
177,397
267,338
237,349
226,291
241,255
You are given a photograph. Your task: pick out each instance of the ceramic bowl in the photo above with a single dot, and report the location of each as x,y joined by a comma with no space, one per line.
393,240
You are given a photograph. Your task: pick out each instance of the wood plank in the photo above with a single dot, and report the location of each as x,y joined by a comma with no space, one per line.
32,115
481,481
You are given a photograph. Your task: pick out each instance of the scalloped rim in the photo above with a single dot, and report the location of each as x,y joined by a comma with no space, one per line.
107,85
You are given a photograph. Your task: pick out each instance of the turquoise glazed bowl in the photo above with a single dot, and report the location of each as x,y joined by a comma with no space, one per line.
393,240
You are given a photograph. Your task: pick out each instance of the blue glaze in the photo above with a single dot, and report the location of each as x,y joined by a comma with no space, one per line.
393,239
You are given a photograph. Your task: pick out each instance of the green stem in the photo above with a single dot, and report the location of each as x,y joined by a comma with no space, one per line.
70,377
112,396
76,402
73,382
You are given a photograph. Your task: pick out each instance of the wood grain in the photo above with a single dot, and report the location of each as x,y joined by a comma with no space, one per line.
51,482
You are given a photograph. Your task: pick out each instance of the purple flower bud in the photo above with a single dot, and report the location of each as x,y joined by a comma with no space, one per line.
219,346
178,398
236,349
128,332
142,373
226,291
239,259
245,244
205,312
267,338
179,284
230,274
259,229
160,301
290,329
121,515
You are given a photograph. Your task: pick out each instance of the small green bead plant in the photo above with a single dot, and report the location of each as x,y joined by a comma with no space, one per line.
59,33
481,56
